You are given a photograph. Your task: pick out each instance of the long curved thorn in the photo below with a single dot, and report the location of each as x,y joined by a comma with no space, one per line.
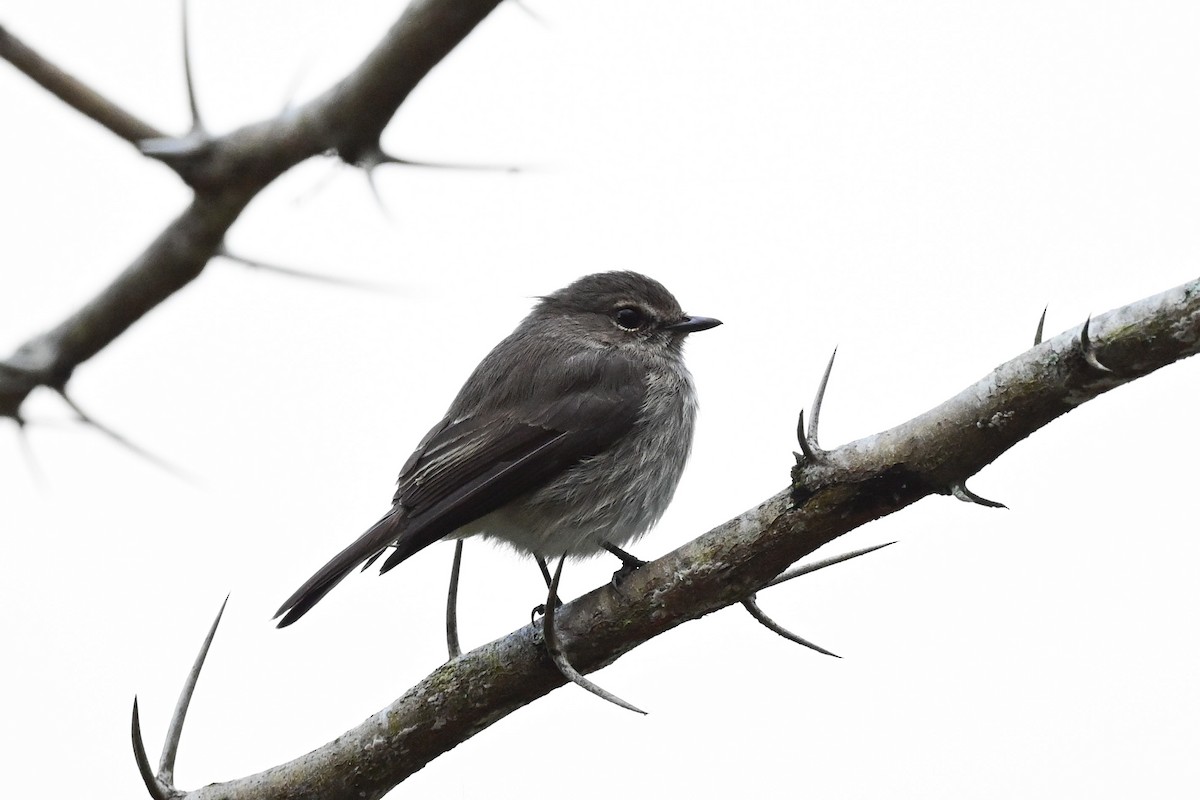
751,605
806,448
452,604
816,406
554,648
961,491
1037,337
1089,350
166,764
143,763
136,449
796,572
293,272
197,124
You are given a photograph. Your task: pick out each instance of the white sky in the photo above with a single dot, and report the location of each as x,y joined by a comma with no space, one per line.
909,181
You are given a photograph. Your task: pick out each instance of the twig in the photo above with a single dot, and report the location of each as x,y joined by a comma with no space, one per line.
73,91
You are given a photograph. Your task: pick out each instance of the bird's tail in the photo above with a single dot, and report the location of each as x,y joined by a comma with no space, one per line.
365,548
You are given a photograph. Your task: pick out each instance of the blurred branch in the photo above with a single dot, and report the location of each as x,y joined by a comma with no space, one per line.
73,92
225,172
846,488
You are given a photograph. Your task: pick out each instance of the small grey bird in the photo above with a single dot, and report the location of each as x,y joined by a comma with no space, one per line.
567,440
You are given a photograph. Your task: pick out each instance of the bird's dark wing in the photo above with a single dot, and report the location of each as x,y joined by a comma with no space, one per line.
476,463
516,438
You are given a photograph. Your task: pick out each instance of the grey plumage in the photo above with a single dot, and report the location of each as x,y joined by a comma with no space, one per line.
572,433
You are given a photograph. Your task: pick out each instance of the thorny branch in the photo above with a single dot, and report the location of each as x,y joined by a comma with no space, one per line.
843,489
833,491
225,173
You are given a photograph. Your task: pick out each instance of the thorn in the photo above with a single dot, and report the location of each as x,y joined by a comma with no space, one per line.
554,647
961,491
138,450
796,572
1089,350
292,272
293,87
407,162
35,469
816,406
806,449
378,197
318,185
143,763
197,124
452,603
375,156
370,172
536,17
176,149
1037,337
752,606
166,764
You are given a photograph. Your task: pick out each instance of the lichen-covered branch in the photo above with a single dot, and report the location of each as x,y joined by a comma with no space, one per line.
952,442
848,487
226,172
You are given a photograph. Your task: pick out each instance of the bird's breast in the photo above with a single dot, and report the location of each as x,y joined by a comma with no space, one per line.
614,496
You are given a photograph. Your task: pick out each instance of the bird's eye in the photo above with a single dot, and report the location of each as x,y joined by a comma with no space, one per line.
629,318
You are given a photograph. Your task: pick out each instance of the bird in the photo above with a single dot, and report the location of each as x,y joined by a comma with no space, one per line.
567,440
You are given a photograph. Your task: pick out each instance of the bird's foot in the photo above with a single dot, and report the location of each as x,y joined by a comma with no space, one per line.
629,565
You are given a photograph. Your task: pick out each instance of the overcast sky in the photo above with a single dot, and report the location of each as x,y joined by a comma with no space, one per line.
911,182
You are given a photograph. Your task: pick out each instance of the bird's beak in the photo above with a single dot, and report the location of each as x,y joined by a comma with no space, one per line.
692,324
